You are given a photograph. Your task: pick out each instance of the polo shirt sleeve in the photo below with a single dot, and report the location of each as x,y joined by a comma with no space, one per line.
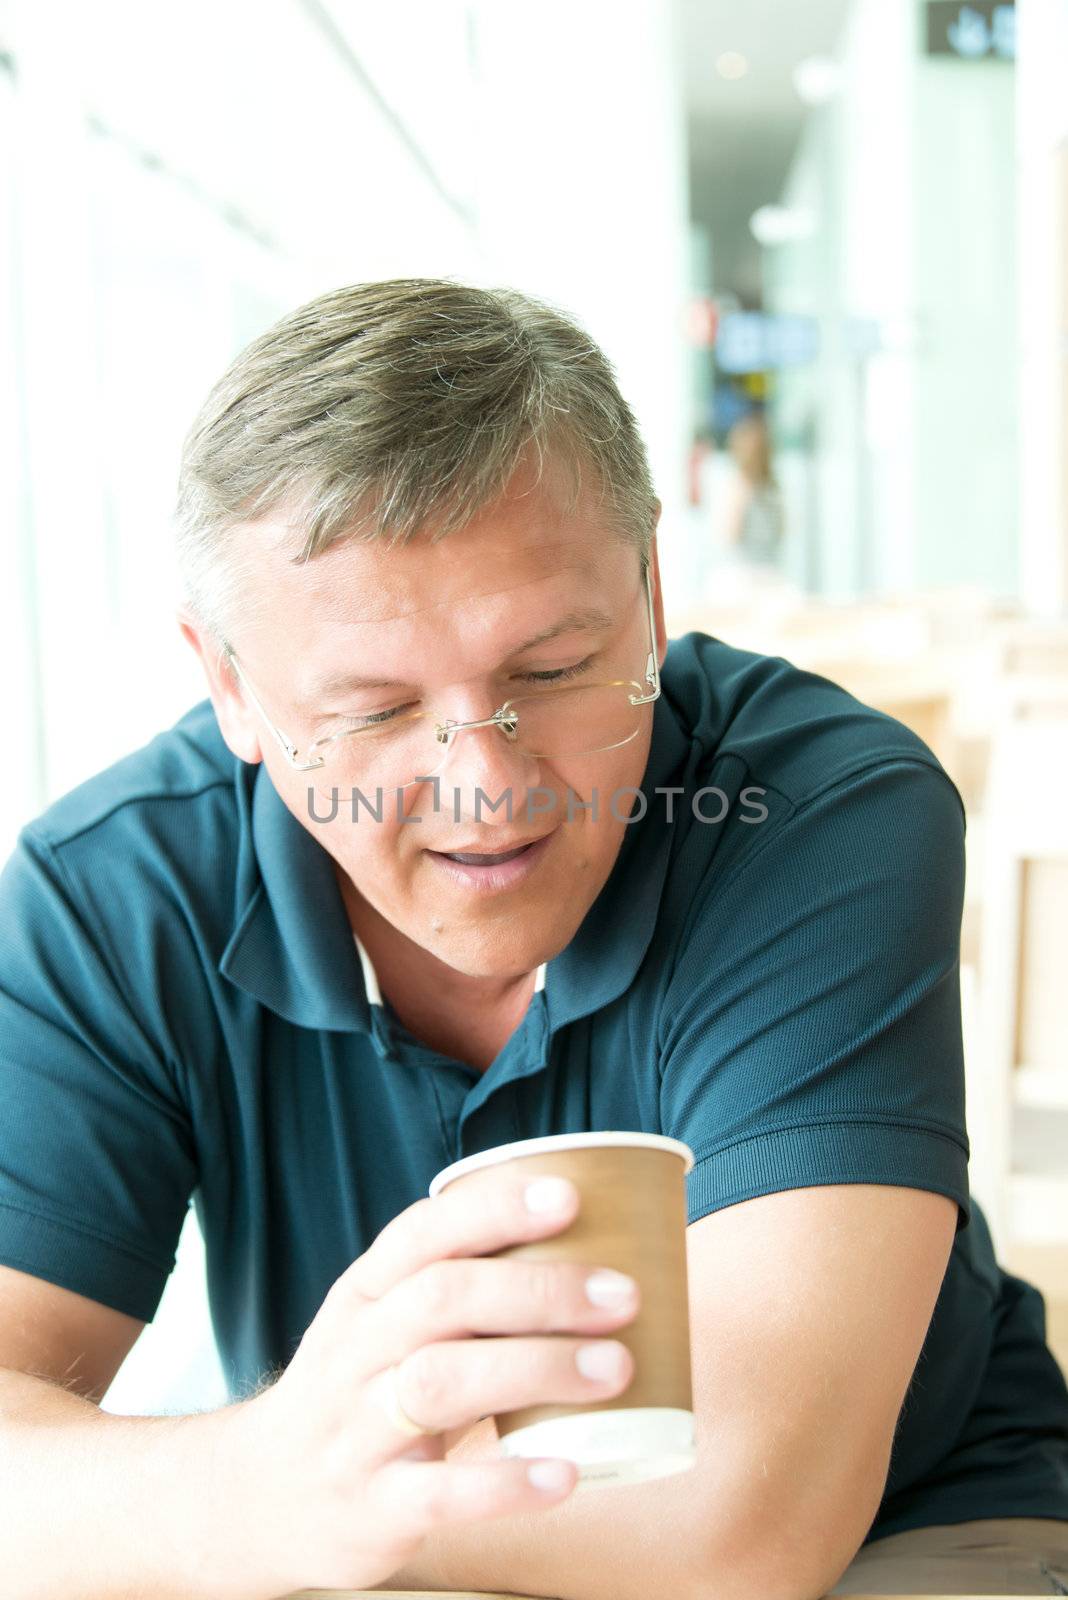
96,1152
812,1029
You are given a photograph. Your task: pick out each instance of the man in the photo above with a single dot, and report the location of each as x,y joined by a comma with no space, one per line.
462,851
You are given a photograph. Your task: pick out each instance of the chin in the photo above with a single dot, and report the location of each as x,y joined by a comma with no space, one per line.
492,962
491,952
498,952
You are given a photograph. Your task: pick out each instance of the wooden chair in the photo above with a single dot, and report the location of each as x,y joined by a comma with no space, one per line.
1018,1073
1035,647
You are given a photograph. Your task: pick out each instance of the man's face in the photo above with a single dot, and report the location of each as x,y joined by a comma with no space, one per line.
447,621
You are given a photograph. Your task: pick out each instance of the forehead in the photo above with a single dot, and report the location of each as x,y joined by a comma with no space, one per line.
515,570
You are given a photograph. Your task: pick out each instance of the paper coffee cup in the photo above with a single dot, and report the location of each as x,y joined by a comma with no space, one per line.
632,1217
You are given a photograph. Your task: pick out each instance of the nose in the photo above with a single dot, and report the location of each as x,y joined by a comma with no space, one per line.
483,765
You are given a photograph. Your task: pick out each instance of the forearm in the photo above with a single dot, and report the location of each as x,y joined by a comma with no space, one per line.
94,1504
603,1544
745,1520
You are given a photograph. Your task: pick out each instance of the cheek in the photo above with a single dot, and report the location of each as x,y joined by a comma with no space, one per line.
376,848
612,784
369,850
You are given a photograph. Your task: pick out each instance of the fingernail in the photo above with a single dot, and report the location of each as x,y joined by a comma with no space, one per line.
607,1288
549,1194
600,1361
549,1476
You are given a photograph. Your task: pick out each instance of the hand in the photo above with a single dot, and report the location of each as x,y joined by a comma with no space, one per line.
338,1496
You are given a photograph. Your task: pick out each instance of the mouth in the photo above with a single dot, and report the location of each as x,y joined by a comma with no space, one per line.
492,871
472,858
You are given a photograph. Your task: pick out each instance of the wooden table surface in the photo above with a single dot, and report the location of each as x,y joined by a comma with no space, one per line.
471,1594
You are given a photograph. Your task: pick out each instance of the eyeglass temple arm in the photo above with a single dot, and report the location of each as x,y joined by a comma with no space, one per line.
652,671
292,754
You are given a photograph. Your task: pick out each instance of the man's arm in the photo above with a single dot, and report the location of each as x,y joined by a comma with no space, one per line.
95,1504
809,1309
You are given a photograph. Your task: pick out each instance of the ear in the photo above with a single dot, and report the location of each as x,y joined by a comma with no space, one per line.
658,595
238,720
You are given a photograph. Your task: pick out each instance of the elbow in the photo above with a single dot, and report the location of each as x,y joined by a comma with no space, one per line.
761,1573
831,1554
790,1546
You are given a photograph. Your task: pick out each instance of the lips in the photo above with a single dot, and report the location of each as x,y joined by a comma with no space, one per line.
490,872
468,858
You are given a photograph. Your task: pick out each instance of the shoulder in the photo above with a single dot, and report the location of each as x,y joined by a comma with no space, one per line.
154,828
180,764
806,790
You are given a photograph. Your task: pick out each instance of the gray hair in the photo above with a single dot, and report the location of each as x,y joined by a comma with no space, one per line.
379,408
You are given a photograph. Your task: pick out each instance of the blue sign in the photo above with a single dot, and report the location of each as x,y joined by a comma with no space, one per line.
982,31
752,341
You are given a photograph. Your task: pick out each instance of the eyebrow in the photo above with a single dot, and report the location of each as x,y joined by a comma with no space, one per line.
586,617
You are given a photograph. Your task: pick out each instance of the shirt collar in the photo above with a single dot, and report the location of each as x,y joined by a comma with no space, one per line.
292,947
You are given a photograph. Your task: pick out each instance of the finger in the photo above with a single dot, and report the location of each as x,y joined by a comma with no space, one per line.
441,1386
414,1498
457,1299
468,1219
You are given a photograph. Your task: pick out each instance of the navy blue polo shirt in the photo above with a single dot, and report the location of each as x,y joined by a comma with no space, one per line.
185,1018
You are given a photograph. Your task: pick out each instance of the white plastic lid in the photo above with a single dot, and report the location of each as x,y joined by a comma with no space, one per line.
558,1141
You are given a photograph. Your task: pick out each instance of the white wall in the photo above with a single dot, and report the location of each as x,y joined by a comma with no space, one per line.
877,141
909,174
1042,223
852,513
967,464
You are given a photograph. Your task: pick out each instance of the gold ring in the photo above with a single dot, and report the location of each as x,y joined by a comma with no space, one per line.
396,1412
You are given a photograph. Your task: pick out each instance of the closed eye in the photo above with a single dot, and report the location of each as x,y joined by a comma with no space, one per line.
556,674
376,719
372,719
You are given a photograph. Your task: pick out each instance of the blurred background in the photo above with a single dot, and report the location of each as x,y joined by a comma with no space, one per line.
825,246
